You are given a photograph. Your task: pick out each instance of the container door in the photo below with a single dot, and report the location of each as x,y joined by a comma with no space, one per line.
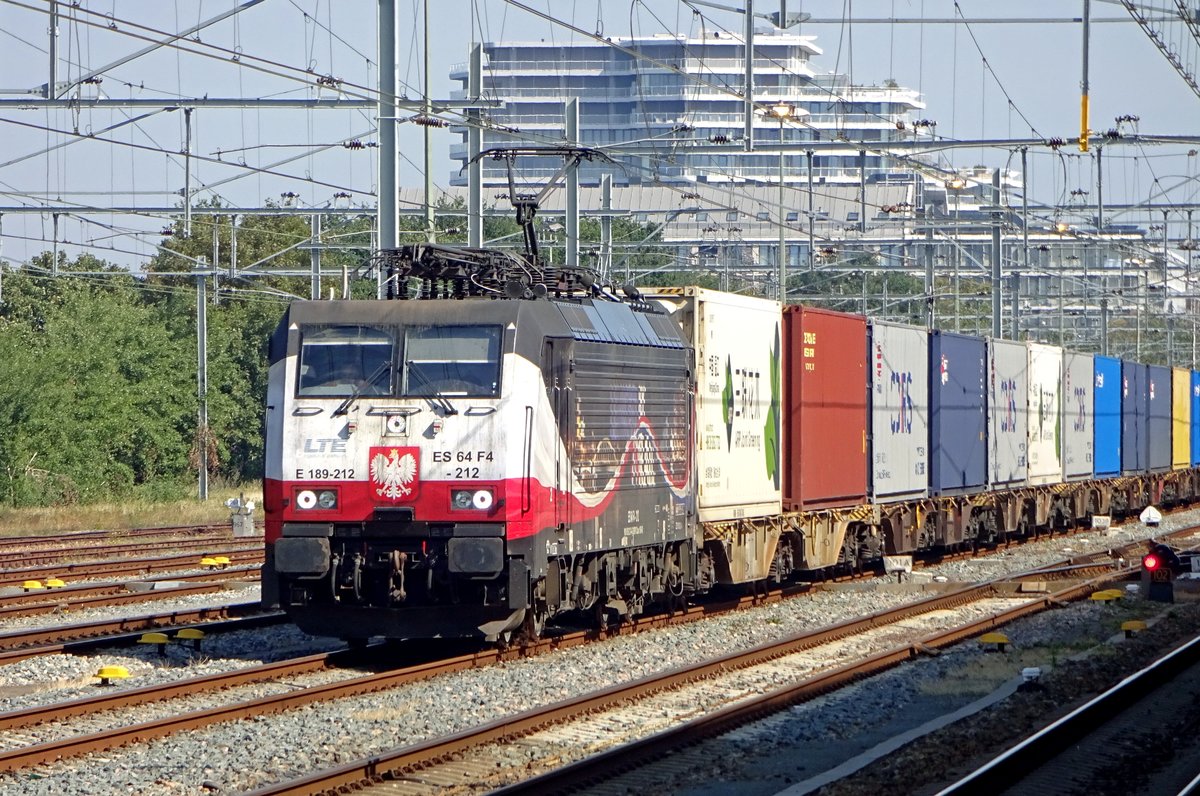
899,411
1195,418
1158,414
1181,418
826,432
958,412
1106,417
1045,428
1134,443
1077,416
1009,391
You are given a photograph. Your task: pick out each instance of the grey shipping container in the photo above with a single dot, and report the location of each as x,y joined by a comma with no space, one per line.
899,365
1158,389
1008,405
1078,422
957,413
1045,414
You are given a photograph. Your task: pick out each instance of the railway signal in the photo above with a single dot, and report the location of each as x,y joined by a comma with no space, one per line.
1159,568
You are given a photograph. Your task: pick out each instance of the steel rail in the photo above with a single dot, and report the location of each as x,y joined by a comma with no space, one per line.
629,756
1040,749
243,618
23,542
139,566
57,711
349,687
61,594
44,557
106,600
16,641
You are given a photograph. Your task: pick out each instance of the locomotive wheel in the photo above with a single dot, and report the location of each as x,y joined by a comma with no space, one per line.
533,626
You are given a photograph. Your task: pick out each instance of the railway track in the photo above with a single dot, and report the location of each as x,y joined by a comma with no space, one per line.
240,617
36,754
237,554
56,554
105,536
1139,734
21,644
40,753
116,597
622,726
350,686
67,597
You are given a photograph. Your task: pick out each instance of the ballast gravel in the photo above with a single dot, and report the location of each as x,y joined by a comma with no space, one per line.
239,756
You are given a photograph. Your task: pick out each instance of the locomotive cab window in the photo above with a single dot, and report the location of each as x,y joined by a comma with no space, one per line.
452,360
345,360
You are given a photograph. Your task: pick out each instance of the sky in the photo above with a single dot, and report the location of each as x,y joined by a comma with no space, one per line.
979,79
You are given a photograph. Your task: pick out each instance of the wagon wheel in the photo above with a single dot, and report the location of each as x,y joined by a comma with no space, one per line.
600,616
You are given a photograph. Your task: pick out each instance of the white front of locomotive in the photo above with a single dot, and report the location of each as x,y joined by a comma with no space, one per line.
390,476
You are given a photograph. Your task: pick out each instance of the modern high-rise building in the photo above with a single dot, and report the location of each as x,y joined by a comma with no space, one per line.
666,93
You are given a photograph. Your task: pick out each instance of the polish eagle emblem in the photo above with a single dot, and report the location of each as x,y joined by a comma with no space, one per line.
394,472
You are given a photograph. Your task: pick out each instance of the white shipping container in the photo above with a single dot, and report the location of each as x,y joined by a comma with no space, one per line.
1008,412
738,341
1045,412
899,363
1077,421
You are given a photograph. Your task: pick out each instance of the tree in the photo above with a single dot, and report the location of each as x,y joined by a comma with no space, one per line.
89,395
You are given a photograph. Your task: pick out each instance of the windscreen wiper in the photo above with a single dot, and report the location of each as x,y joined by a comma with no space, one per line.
441,402
344,406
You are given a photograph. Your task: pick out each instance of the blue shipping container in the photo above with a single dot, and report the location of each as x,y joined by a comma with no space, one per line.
1158,423
1107,416
957,413
1195,418
1135,440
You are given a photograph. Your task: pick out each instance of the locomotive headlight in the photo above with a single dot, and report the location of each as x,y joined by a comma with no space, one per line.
324,499
471,499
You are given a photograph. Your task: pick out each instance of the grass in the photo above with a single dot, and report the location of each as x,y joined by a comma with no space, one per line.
126,515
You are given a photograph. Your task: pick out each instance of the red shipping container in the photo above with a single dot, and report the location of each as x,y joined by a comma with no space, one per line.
826,420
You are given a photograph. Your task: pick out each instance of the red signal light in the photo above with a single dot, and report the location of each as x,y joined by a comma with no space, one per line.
1151,562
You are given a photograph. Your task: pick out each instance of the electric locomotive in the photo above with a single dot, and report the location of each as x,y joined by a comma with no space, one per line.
502,442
